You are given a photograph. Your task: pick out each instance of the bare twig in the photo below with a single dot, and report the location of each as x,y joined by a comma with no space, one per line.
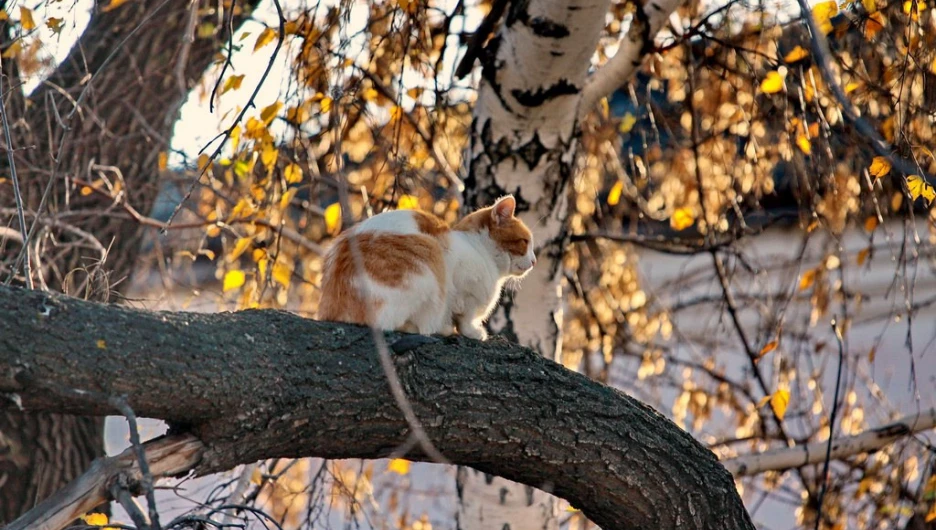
146,481
824,478
21,219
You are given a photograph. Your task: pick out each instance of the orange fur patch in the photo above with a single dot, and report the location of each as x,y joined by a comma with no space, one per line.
429,224
387,258
510,234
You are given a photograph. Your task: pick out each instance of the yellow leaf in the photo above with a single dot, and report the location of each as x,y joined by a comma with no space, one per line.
807,279
851,87
823,13
605,108
86,190
256,477
203,161
779,401
95,519
763,401
880,167
333,218
874,24
102,345
26,19
408,202
396,112
55,24
4,16
325,104
772,83
239,247
910,8
269,112
268,155
682,219
282,273
163,160
13,49
931,514
863,256
370,94
920,188
872,354
288,197
232,83
769,347
871,223
627,123
614,196
293,173
570,509
870,5
114,4
233,280
235,137
796,54
399,466
802,141
265,37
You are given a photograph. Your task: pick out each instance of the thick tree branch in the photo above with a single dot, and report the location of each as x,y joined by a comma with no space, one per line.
264,384
815,453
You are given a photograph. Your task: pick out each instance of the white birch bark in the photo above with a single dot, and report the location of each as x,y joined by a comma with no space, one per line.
523,141
814,453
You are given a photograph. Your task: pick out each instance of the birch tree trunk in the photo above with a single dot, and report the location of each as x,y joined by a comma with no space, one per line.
524,138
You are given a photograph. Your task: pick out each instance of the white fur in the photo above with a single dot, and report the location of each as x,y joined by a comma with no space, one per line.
475,270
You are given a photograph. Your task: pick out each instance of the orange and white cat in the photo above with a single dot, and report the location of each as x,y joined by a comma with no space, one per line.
419,275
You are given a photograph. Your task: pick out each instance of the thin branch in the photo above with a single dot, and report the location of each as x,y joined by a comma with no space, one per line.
815,453
20,217
837,329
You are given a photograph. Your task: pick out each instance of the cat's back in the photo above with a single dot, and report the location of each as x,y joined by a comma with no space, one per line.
402,254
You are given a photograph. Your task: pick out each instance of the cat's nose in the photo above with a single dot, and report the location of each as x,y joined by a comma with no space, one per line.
534,262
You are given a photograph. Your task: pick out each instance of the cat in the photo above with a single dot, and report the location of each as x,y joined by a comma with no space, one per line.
422,276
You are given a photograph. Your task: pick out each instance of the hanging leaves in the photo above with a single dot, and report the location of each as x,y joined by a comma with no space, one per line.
880,167
920,188
823,13
682,219
333,218
408,202
614,196
26,19
796,54
627,123
779,401
265,37
772,83
293,173
233,279
399,466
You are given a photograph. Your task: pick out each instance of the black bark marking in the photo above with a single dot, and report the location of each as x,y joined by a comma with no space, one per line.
503,495
411,342
531,98
532,152
490,65
549,29
556,54
646,39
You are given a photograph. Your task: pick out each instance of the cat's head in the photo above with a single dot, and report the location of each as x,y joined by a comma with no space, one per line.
508,233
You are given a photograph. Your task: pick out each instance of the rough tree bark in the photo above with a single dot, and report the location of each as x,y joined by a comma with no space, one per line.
126,118
524,141
264,384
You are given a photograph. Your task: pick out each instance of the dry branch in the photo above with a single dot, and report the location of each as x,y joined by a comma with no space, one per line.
814,453
264,384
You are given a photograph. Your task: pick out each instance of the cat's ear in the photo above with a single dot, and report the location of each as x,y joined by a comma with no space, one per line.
504,209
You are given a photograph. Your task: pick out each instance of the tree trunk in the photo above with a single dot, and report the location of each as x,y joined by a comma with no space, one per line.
524,141
123,73
293,387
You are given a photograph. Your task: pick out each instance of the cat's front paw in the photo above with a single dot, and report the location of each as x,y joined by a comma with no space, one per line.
474,331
